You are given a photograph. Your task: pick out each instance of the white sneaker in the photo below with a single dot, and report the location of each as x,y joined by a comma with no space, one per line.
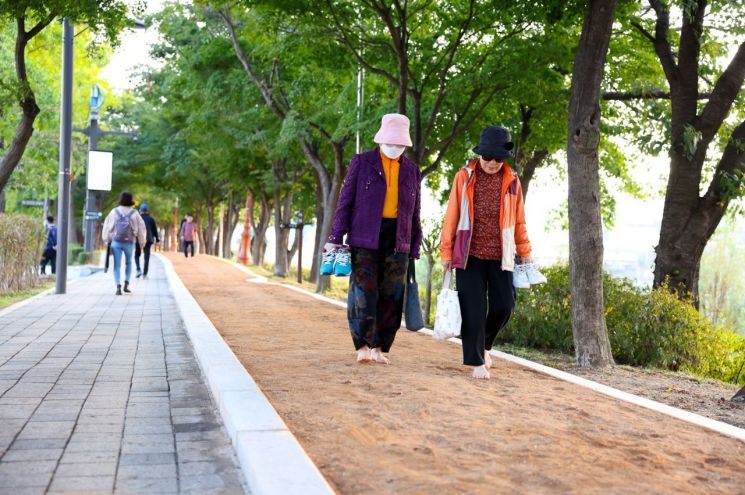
535,277
520,277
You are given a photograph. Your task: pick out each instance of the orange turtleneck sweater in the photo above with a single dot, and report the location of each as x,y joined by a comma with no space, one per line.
391,168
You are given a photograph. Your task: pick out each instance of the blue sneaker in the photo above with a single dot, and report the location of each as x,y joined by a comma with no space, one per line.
327,262
343,265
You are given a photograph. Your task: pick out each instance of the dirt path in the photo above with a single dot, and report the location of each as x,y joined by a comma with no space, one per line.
422,425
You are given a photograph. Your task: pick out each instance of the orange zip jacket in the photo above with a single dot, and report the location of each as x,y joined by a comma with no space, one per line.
457,230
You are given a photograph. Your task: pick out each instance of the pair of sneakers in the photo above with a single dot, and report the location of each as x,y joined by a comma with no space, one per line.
526,275
337,262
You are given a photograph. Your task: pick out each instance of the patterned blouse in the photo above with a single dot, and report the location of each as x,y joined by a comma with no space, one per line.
486,243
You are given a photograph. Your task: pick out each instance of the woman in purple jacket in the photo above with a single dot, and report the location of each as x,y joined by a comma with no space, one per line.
378,211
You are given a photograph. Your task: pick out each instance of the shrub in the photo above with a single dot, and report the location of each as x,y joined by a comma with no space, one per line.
646,327
74,254
21,244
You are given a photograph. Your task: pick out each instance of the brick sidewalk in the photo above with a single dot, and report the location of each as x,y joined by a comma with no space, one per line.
102,394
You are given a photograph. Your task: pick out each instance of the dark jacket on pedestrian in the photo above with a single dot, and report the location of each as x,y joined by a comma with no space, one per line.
359,212
152,229
51,238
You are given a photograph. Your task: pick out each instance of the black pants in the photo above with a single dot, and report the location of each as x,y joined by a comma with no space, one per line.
187,245
487,300
146,251
376,291
49,256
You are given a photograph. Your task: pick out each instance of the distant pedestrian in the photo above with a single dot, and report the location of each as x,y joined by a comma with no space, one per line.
50,250
178,236
122,227
188,231
152,237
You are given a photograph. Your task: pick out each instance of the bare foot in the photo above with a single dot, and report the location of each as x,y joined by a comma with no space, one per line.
363,355
378,356
487,360
481,373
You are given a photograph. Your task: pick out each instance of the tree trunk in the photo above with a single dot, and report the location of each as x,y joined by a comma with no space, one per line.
282,215
428,290
591,343
739,396
317,244
258,246
29,108
528,170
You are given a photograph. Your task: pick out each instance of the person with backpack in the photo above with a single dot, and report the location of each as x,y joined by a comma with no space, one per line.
123,226
50,251
152,237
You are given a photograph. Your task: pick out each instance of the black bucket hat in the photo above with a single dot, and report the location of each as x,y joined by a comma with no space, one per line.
495,142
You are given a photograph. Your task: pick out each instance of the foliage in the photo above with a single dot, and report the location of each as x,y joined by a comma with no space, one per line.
20,252
722,289
646,327
36,175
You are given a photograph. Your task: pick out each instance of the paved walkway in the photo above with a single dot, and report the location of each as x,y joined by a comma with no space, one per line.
102,394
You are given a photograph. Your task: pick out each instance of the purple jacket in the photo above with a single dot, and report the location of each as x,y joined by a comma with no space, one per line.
359,211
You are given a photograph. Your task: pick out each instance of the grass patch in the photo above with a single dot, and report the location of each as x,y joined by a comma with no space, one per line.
13,297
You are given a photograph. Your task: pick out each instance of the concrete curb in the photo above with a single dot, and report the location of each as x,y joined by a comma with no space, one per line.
270,456
683,415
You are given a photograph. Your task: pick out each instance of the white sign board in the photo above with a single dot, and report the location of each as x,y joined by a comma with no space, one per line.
99,170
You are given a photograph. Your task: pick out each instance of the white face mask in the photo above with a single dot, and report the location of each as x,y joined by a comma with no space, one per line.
392,151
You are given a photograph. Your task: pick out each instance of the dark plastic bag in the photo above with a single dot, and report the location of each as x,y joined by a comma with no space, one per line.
412,306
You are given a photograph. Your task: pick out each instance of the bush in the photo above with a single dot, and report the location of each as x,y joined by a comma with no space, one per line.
74,253
646,327
21,244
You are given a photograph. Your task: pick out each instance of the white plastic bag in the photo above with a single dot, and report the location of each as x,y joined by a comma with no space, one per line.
448,318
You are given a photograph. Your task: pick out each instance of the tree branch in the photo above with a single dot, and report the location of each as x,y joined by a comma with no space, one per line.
652,94
344,38
441,92
725,91
732,159
266,92
662,43
40,25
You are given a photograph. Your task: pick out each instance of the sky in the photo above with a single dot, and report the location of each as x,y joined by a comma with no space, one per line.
629,246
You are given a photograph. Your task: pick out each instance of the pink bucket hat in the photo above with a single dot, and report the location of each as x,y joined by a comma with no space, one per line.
394,129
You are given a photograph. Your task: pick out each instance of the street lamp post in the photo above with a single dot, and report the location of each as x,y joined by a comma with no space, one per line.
65,146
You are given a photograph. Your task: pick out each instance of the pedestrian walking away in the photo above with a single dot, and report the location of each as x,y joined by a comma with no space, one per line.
122,227
151,238
188,231
50,250
378,211
483,234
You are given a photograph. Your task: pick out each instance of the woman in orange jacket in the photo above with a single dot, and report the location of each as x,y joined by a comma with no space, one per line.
484,232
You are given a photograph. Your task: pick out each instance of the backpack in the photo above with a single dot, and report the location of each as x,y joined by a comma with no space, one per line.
123,230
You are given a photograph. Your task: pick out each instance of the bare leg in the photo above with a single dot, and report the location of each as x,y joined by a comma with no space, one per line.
377,356
481,373
363,354
487,360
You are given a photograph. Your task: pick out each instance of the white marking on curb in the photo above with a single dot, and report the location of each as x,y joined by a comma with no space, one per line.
687,416
271,458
